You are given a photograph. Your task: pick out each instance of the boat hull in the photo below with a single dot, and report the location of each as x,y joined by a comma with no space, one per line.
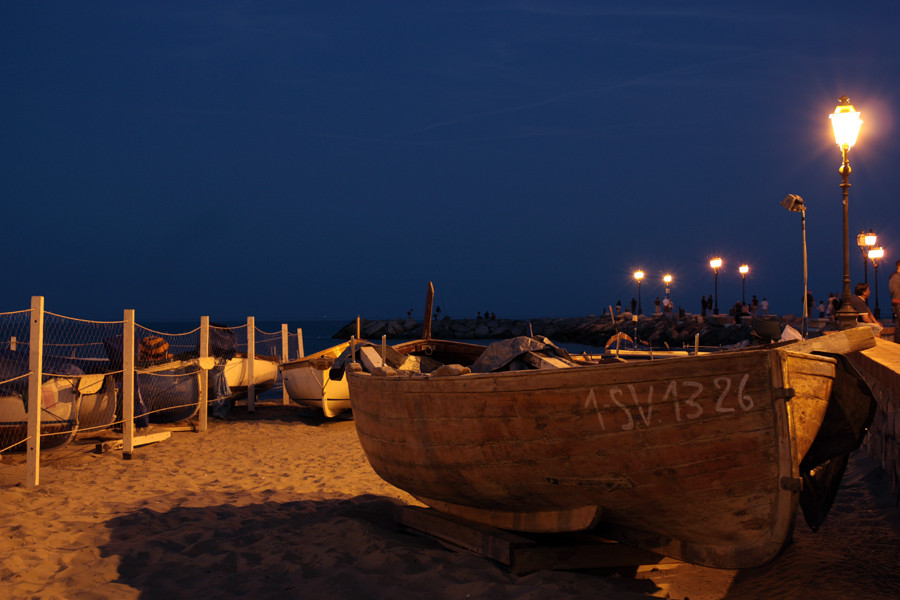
696,458
309,384
265,372
170,391
70,405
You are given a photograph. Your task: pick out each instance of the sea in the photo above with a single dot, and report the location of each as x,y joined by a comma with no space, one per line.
318,334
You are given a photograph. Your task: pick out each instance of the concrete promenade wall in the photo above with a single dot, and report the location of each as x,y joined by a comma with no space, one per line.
880,366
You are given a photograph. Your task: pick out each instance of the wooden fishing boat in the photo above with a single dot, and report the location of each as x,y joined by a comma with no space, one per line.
698,457
308,382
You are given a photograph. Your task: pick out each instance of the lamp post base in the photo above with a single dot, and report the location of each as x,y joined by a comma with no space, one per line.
846,319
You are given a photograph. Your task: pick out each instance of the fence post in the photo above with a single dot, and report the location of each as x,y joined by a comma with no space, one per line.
128,384
35,400
285,399
204,373
300,353
251,358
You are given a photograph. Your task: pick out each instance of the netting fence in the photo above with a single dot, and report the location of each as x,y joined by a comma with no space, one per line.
62,377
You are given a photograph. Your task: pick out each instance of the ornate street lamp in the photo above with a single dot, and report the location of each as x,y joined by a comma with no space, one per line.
866,241
846,123
743,269
715,263
876,254
668,280
639,275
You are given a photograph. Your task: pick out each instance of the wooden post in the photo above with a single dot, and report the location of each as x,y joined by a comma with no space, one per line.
204,374
300,353
251,358
12,343
285,399
128,384
358,326
35,400
429,301
383,349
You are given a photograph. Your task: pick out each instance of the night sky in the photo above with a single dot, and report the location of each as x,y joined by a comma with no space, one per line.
293,160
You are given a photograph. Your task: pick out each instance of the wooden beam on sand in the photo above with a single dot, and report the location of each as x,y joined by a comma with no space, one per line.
138,440
838,342
524,553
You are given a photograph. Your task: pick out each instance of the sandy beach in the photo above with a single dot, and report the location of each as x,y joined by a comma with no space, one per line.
283,504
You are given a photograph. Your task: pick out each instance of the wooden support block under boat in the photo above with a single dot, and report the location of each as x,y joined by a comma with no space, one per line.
525,553
140,440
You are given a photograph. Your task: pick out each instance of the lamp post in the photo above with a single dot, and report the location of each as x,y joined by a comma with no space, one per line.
668,281
794,203
744,269
866,241
846,123
715,264
876,254
639,275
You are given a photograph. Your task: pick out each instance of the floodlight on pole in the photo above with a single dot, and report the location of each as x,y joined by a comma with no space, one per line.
668,281
845,121
794,203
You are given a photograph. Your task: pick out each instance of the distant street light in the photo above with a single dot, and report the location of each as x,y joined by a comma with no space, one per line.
744,269
639,275
668,279
715,264
866,241
876,254
794,203
846,123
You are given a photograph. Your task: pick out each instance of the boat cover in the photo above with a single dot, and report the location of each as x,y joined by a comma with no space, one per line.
505,354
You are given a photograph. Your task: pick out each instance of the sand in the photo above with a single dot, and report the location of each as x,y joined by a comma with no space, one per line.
282,504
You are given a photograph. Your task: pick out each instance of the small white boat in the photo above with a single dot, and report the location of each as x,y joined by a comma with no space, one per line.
308,382
237,376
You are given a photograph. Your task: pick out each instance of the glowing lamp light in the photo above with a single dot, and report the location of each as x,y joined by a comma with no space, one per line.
744,269
876,254
638,275
846,121
866,239
715,263
667,279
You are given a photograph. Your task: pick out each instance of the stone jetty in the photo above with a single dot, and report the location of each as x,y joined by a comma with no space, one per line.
671,330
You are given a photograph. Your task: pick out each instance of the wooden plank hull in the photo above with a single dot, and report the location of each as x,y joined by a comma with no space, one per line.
696,458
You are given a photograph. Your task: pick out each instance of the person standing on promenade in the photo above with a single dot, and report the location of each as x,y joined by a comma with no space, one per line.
703,306
894,287
764,305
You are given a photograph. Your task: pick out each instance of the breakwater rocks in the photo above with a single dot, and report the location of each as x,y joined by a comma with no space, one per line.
657,330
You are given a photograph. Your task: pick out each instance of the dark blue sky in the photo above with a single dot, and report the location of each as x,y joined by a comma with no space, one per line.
298,160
